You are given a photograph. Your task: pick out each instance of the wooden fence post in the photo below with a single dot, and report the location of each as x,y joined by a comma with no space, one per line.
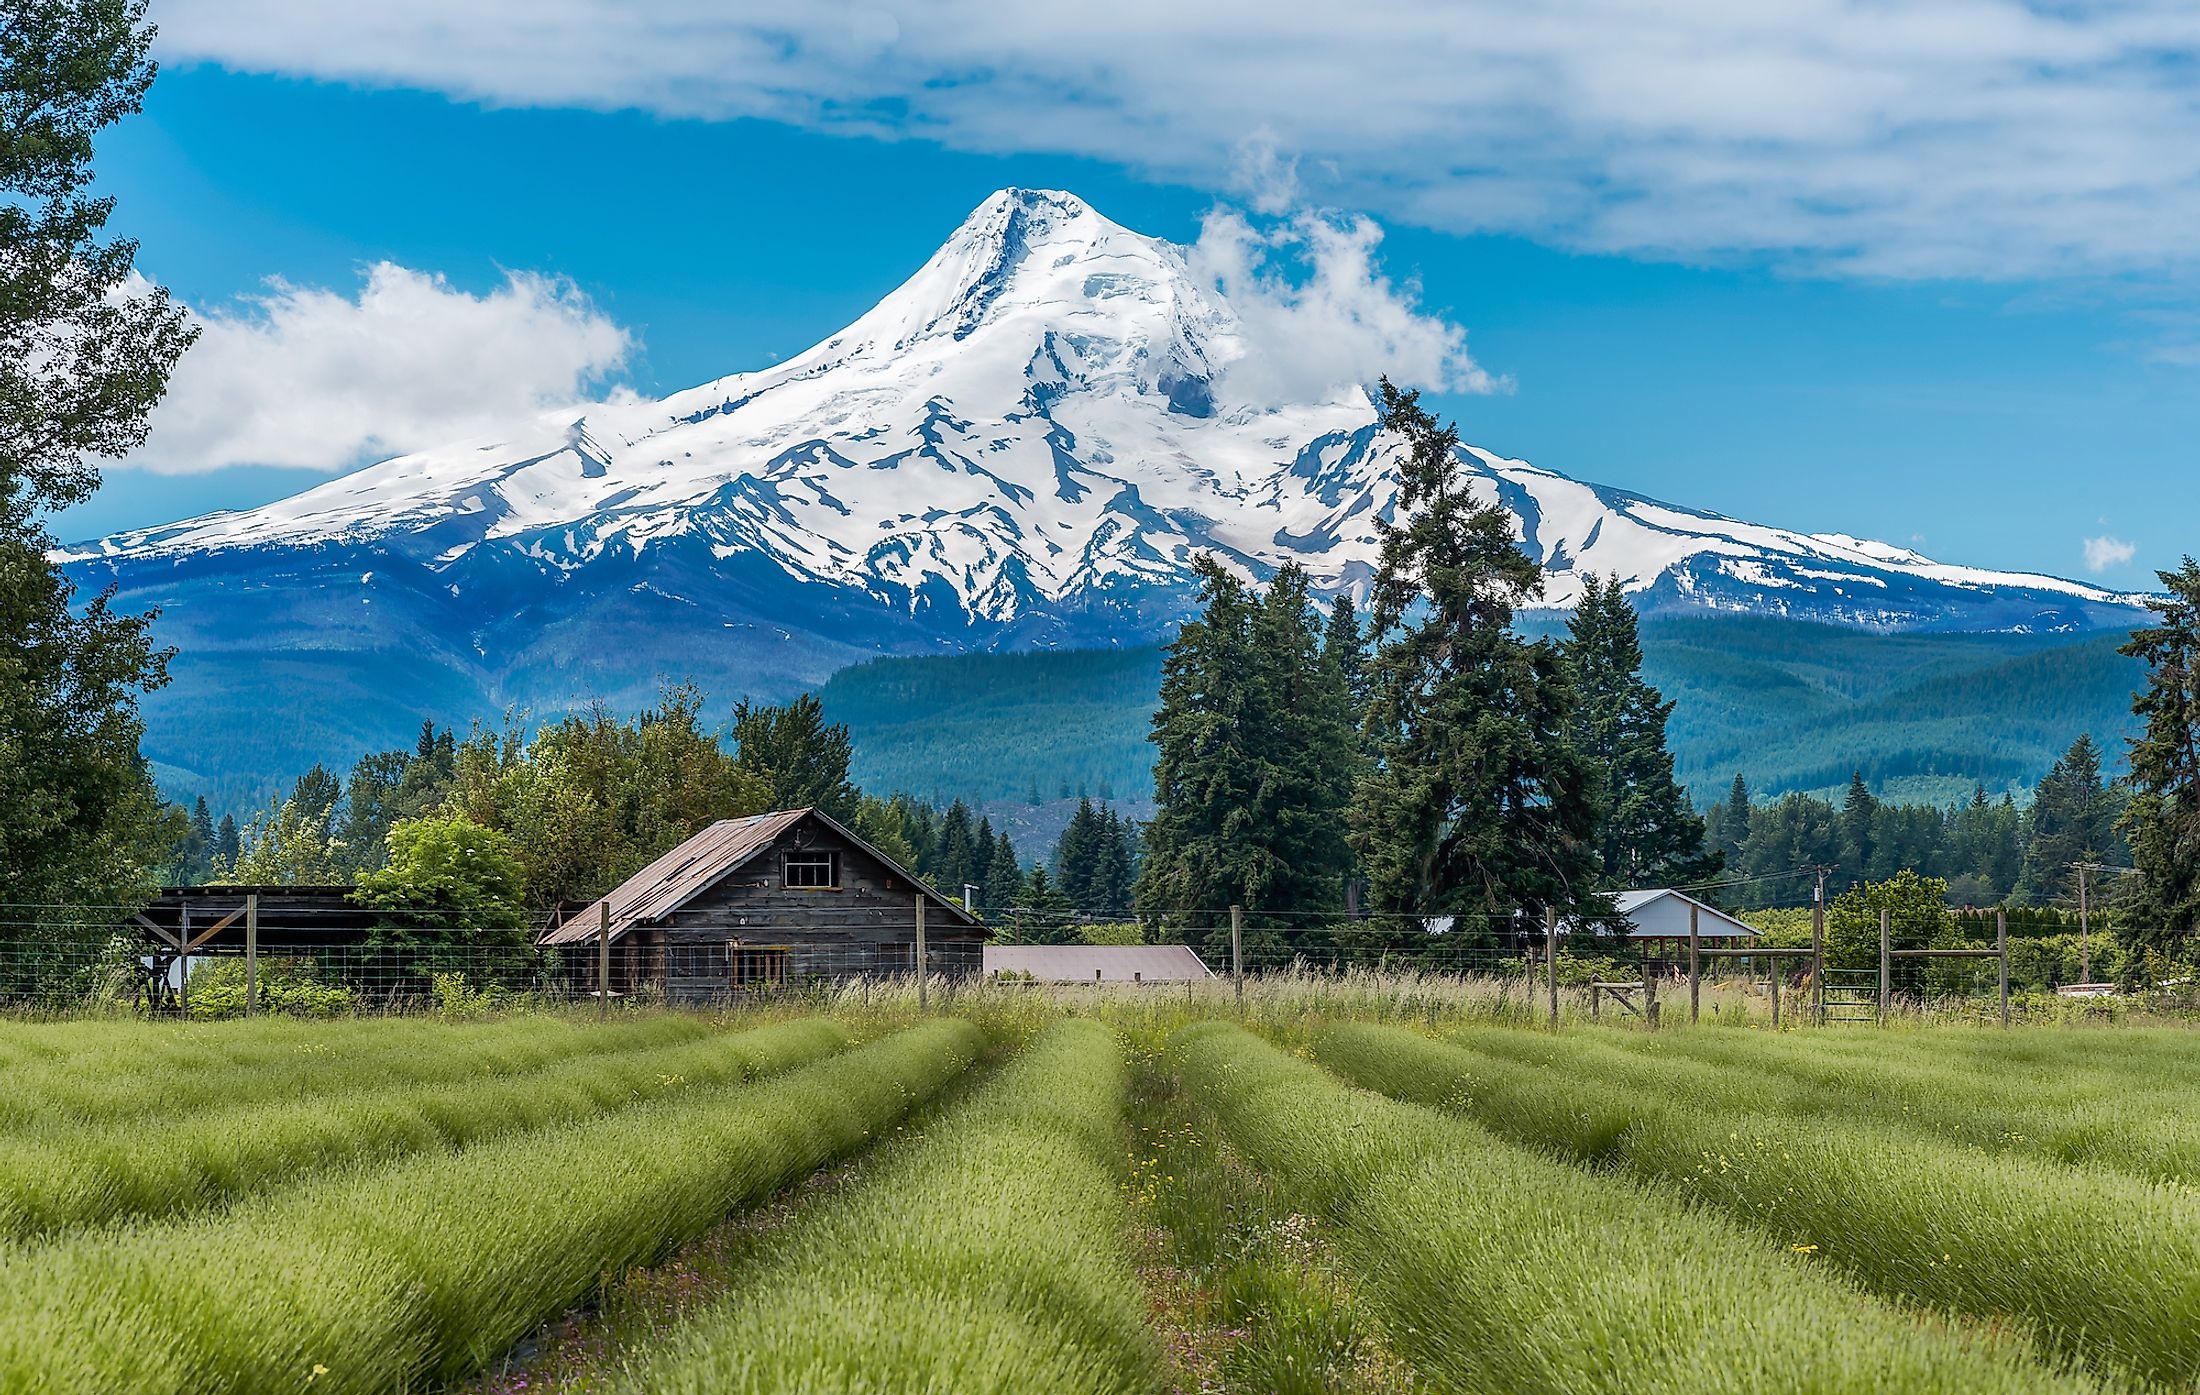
1772,976
1649,996
251,953
1818,962
2001,945
603,958
1695,968
183,960
1550,957
1237,951
922,967
1886,964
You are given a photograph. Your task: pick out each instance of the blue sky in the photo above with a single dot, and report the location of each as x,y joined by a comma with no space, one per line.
1994,381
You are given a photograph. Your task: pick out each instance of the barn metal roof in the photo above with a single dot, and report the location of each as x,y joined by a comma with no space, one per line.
1712,923
1109,963
699,864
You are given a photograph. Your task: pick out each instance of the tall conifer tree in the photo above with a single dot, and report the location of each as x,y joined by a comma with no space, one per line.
2162,820
1649,834
1253,769
1477,803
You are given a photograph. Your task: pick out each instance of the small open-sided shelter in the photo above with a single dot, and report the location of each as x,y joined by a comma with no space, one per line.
772,899
1096,963
1659,923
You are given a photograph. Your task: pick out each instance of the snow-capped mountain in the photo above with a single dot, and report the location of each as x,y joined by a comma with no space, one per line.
1025,443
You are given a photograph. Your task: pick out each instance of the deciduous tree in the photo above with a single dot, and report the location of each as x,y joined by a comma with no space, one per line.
85,352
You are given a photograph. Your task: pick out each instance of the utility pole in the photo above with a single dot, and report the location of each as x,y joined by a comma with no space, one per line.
1818,947
920,948
1237,953
1550,958
2085,917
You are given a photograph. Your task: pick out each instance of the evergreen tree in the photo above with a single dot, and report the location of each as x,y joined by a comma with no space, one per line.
1043,913
1077,857
1004,877
955,849
803,757
2162,820
1254,767
2073,821
1477,804
194,864
1858,813
981,854
85,352
1115,868
228,847
1649,834
1731,833
920,823
1345,646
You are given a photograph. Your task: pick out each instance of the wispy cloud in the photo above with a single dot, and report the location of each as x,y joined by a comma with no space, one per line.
1971,138
2105,552
1318,312
304,376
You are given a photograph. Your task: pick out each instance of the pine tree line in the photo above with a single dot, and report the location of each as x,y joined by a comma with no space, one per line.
1989,851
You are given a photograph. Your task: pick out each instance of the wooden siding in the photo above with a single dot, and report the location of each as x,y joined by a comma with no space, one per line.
751,920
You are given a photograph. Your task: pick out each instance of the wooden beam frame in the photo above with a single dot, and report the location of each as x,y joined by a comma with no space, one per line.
174,940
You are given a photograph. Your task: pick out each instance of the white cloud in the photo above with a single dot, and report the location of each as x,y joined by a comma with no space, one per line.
1318,314
2104,552
307,377
1994,138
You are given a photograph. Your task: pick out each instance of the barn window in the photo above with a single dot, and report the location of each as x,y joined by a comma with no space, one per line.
698,961
813,870
753,966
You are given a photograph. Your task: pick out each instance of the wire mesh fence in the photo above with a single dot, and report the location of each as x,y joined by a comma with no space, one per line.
67,960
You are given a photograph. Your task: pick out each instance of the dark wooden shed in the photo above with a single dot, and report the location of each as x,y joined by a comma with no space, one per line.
775,899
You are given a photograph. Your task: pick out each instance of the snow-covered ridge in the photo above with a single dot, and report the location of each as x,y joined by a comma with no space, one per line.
1039,421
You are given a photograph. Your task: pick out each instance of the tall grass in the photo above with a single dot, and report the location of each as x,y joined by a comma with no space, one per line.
2100,1267
61,1176
1500,1269
411,1274
991,1256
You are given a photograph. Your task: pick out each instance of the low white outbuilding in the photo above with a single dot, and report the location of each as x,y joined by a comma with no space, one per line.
1660,917
1096,963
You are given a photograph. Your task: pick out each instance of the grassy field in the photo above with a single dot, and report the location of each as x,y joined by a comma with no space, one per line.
1350,1191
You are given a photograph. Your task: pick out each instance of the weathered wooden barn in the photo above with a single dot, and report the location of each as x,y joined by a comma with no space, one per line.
778,898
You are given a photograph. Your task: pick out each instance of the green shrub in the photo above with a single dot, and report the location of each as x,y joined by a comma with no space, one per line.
288,987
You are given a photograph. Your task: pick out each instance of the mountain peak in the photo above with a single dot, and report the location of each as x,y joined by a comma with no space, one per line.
1025,442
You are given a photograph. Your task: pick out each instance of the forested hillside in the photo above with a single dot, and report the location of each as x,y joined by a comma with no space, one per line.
1033,727
1791,706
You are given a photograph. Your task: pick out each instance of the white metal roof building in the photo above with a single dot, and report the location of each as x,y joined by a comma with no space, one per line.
1663,915
1098,963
